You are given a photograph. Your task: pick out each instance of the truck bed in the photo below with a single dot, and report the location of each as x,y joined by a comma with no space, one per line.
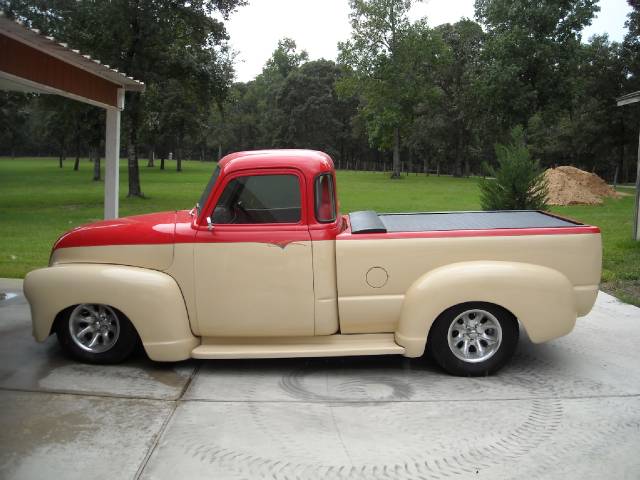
372,222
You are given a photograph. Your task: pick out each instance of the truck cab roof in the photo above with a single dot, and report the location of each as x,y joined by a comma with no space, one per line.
310,162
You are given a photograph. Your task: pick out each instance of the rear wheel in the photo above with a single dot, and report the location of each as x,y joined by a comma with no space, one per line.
473,339
96,333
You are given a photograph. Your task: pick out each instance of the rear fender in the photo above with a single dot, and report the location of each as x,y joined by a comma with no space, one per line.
152,301
541,298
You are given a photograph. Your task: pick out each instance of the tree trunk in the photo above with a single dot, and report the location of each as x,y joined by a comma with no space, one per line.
132,148
60,160
133,109
179,154
63,155
76,164
152,157
96,164
134,170
162,162
396,153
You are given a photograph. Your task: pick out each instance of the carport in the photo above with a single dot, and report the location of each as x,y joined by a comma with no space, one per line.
35,63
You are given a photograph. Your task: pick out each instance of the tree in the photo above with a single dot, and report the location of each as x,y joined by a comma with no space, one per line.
373,52
530,54
250,116
285,58
311,113
267,87
519,182
13,117
461,105
587,132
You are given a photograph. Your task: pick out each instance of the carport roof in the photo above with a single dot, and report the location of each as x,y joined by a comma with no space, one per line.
17,31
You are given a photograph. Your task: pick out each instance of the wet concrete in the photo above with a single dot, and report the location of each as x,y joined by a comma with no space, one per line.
566,409
27,365
69,436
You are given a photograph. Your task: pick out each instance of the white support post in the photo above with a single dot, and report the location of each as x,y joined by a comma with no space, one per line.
112,159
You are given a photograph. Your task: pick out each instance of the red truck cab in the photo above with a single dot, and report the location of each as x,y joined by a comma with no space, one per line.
304,179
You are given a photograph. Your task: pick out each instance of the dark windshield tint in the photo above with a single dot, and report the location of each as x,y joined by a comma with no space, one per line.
259,199
209,187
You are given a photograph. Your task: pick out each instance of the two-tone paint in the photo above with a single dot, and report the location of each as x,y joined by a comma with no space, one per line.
307,288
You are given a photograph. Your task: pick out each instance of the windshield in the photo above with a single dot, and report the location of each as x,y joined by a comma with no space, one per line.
207,190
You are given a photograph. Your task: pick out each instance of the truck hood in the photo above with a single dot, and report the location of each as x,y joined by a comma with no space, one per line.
149,229
140,240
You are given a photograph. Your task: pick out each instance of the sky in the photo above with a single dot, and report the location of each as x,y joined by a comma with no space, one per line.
318,25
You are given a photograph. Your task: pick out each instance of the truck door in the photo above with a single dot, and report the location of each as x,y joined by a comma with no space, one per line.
253,265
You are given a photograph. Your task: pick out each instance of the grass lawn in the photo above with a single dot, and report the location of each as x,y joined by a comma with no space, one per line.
39,201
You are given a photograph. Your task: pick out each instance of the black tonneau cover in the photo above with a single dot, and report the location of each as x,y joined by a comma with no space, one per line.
371,222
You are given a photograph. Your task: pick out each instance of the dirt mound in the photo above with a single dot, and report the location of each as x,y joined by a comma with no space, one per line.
572,186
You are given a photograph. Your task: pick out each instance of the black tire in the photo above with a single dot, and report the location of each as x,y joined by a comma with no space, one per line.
124,345
440,350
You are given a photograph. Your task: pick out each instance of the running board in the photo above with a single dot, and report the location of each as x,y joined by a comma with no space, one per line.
286,347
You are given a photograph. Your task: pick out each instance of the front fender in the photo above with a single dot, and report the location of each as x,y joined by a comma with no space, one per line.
540,297
152,301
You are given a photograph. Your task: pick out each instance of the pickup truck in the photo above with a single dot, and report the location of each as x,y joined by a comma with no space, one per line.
265,266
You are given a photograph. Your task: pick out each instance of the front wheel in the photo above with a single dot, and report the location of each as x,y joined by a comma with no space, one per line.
473,339
96,333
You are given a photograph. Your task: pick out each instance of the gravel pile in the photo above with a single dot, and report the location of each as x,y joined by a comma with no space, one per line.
572,186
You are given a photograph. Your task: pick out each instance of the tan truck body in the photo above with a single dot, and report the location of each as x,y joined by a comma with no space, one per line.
342,295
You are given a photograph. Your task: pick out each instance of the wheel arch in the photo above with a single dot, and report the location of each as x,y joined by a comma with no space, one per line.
542,299
151,300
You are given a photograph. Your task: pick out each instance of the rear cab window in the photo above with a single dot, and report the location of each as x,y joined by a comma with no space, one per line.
324,193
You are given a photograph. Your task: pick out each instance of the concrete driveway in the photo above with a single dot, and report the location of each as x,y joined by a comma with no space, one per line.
566,409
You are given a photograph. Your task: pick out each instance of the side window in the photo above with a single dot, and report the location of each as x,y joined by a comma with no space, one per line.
325,199
259,199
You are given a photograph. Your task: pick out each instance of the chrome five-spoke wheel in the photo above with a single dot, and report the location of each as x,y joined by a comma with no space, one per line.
474,336
94,327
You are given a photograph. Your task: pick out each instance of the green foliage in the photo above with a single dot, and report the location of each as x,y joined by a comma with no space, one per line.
519,182
381,54
313,116
451,123
285,59
531,52
13,118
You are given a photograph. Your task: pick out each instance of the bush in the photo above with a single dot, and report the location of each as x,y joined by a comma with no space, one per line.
518,183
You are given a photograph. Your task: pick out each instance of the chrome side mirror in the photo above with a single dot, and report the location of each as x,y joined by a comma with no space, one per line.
209,224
